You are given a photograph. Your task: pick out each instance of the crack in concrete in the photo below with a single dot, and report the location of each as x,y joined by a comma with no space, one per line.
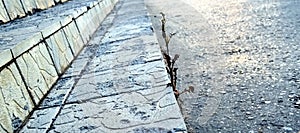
103,96
50,55
65,36
9,69
168,105
2,127
3,95
141,124
18,104
27,67
40,69
159,86
36,95
24,80
67,112
64,123
44,56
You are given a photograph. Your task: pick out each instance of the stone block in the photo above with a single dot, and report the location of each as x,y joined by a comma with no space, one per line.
99,13
38,70
74,38
44,4
60,51
26,44
93,23
50,27
15,102
14,8
121,113
83,26
3,14
46,66
103,9
66,20
5,121
5,57
94,14
29,6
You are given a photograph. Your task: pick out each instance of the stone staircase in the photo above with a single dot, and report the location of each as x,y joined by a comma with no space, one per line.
38,41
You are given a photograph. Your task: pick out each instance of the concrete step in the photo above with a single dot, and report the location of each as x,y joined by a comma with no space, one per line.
36,50
118,83
14,9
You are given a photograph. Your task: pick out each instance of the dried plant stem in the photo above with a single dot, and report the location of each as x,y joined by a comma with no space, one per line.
171,69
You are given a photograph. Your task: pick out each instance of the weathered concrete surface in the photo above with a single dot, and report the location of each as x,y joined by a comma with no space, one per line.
117,84
37,49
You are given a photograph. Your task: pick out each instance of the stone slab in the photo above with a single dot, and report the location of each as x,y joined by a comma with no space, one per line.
60,51
40,120
73,37
44,4
87,23
3,14
50,27
65,21
38,70
121,113
29,6
15,101
14,8
26,44
5,57
83,26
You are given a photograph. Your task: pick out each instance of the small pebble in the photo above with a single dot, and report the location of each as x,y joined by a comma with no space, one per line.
250,118
223,92
267,102
288,128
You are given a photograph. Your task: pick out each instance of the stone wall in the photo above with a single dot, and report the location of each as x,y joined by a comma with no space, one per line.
30,67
